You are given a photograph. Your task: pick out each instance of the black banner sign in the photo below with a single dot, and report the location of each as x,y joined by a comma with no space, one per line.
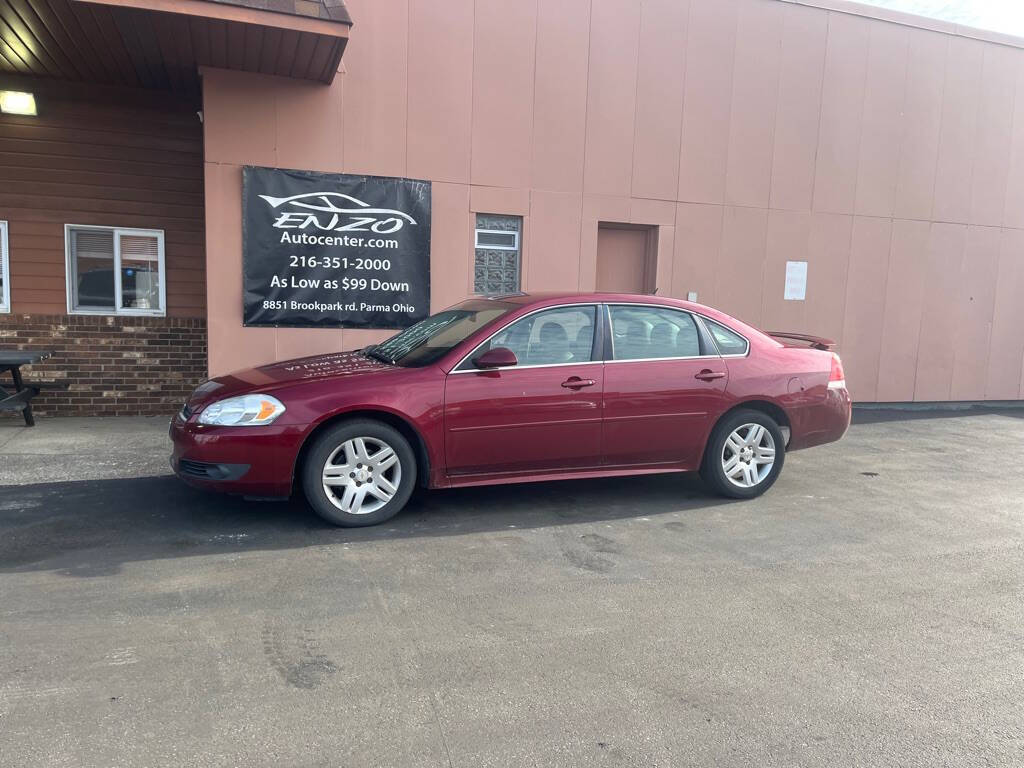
328,250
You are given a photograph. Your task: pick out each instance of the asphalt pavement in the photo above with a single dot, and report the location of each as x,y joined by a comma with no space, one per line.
869,610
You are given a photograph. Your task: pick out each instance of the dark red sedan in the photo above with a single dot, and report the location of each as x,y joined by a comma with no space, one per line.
512,389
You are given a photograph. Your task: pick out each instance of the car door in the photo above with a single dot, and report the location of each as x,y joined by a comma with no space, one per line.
542,414
664,385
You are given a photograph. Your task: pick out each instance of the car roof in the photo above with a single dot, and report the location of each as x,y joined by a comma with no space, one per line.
536,297
527,302
540,299
546,298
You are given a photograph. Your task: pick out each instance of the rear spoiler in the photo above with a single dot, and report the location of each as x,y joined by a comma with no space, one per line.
816,342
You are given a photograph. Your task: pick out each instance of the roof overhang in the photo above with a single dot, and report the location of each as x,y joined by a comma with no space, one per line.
160,44
315,20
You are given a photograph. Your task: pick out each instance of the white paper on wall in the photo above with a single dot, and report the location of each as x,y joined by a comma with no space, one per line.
796,281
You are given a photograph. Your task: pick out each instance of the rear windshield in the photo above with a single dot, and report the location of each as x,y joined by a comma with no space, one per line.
433,337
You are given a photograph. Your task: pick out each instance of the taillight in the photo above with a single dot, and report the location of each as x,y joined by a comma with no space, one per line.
836,377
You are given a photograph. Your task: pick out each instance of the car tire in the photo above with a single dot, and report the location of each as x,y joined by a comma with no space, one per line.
359,473
749,435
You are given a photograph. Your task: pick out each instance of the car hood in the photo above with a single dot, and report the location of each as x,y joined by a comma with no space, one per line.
338,365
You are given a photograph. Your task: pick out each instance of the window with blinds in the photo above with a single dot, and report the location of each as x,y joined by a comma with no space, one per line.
115,271
5,271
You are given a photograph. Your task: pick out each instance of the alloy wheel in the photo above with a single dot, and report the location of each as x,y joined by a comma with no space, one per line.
748,455
362,475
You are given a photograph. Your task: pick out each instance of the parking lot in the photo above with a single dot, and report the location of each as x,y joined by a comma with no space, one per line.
867,611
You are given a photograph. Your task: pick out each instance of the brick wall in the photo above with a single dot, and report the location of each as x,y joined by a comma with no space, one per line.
114,365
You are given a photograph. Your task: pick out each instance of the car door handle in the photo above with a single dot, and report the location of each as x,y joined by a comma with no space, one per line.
575,382
708,375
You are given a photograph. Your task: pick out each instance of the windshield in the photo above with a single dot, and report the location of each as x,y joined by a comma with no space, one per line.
432,338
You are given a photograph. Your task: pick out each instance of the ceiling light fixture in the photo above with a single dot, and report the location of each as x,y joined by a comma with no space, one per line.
17,103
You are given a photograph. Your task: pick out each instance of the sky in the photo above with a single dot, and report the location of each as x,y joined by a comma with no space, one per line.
999,15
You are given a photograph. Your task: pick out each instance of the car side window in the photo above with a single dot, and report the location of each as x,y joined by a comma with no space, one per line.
645,333
728,342
559,335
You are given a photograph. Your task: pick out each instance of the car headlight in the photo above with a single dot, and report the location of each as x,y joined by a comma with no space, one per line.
244,411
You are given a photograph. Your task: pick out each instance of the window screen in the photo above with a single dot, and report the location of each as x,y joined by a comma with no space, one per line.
92,262
498,241
5,284
496,265
115,271
140,271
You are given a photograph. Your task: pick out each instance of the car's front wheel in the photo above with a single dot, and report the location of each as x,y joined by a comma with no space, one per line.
744,454
359,473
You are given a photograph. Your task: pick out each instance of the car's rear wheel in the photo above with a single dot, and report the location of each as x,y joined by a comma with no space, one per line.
744,454
359,473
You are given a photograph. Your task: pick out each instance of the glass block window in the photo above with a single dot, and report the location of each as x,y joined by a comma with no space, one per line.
498,253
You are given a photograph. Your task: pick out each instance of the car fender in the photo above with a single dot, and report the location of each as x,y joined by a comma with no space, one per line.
427,459
414,401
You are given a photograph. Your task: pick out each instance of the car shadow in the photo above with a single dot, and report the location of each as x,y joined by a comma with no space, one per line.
90,528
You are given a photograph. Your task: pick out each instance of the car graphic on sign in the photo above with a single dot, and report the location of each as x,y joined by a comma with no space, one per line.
381,220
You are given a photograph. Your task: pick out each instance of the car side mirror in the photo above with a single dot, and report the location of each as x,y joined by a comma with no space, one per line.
498,357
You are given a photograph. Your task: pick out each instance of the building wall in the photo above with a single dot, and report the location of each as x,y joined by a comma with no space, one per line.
111,157
750,132
115,366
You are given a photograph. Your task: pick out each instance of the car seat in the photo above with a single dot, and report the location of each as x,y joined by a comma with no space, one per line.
687,341
552,345
663,340
584,344
636,343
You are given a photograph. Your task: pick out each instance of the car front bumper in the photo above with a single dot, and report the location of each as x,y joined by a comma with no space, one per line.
253,461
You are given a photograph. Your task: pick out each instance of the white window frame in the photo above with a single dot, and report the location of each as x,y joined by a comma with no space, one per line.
489,247
5,270
117,309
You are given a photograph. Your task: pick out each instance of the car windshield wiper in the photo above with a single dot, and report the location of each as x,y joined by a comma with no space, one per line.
372,352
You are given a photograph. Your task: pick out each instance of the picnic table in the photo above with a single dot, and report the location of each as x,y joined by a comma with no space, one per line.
21,400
